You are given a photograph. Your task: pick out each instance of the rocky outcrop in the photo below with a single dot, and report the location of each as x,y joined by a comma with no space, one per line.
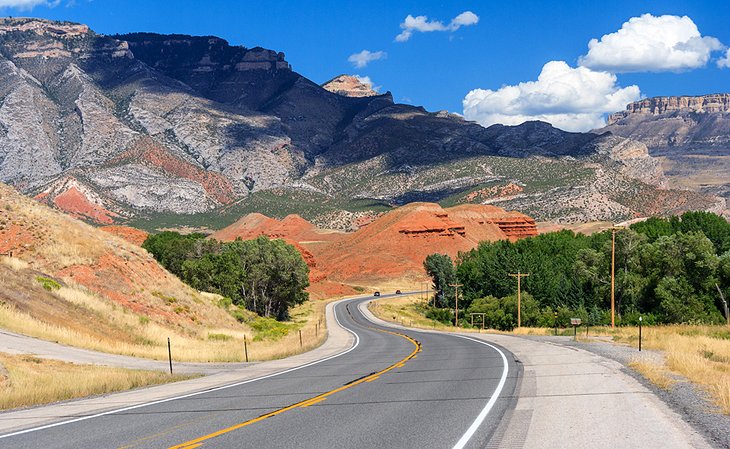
392,246
689,136
78,200
676,122
395,245
661,105
43,27
349,86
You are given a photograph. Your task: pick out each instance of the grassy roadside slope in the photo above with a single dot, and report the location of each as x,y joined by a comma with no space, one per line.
26,380
69,282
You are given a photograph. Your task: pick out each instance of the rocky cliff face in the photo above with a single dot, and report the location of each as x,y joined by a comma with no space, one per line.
689,136
670,122
661,105
349,86
131,127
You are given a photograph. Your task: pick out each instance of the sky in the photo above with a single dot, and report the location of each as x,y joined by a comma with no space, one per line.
567,62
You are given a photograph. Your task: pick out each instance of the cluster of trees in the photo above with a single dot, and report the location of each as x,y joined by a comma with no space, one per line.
262,275
667,270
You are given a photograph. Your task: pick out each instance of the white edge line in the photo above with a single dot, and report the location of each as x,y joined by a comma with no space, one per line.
485,411
492,400
161,401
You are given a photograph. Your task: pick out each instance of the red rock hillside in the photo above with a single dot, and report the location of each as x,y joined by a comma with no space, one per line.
393,246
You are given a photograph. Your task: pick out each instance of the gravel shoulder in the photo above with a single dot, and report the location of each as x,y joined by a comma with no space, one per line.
685,398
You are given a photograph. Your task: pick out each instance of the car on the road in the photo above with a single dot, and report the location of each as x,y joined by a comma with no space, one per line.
397,292
376,294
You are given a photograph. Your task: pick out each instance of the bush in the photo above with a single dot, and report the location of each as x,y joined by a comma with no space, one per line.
445,316
219,337
268,329
48,284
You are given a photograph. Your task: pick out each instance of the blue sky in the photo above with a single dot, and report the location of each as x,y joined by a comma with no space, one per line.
511,43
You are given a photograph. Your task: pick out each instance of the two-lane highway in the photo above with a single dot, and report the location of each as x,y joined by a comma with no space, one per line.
392,389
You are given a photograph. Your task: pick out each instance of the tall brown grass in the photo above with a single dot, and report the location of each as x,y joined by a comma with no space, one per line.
700,353
27,380
185,348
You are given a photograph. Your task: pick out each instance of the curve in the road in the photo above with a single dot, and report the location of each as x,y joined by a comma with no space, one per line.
308,402
455,390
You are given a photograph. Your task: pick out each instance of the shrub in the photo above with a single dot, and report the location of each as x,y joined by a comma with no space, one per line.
48,284
445,316
268,329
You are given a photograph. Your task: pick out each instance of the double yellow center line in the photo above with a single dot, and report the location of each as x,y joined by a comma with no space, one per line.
308,402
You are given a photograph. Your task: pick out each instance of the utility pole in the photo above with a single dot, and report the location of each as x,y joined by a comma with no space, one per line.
519,276
456,297
613,274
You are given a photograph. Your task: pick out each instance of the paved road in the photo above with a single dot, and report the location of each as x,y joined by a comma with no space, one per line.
405,389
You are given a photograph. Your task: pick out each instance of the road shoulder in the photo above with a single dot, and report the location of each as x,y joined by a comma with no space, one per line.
572,398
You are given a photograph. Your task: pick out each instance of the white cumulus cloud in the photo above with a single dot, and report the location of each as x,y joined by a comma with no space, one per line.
422,24
572,99
651,44
724,62
27,4
365,57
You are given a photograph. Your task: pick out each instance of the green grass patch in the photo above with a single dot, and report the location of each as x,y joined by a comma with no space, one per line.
219,337
269,329
48,284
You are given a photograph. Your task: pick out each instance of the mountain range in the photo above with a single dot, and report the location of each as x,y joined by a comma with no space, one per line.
690,136
163,130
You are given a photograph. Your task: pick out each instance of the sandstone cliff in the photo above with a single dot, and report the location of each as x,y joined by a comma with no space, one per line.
661,105
689,136
349,86
392,246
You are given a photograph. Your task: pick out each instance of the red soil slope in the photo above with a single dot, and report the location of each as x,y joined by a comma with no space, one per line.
395,245
78,200
132,235
292,227
59,246
392,247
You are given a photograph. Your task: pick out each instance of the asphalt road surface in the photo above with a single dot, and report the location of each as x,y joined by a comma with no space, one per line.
393,389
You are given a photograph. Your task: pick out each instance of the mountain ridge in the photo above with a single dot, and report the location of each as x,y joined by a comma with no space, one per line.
181,128
689,135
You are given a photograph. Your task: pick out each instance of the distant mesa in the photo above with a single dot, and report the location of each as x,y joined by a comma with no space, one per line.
688,135
349,86
714,103
41,27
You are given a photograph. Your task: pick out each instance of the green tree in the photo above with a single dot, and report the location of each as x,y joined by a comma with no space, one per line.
440,268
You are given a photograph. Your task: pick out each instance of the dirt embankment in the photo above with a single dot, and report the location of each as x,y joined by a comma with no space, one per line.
57,246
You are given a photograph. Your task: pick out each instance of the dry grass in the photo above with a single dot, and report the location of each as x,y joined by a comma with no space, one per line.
152,338
654,372
309,318
27,380
700,353
116,298
14,263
